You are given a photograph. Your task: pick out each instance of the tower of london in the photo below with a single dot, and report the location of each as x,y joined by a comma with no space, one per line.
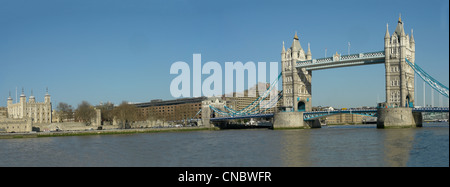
38,112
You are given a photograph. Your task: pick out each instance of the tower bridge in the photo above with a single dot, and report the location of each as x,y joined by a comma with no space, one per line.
298,66
398,58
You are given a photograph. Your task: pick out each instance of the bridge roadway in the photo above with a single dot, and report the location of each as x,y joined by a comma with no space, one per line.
318,114
343,61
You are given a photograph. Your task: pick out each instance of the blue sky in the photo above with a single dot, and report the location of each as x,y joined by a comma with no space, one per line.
122,50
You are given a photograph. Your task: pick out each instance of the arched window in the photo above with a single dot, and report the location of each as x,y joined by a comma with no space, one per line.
301,106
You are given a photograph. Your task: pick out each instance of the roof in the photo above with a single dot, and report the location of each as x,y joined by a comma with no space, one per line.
399,30
171,102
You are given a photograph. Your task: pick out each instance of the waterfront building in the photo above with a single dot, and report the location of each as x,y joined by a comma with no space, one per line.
239,103
189,108
345,118
38,112
172,110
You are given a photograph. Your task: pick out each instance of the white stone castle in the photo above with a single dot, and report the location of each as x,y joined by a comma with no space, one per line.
37,112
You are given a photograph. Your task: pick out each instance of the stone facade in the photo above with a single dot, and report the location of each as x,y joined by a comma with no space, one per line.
296,82
345,118
3,112
398,118
207,113
37,112
15,125
284,120
399,75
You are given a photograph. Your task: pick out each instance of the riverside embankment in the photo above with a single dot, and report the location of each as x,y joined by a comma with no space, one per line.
100,132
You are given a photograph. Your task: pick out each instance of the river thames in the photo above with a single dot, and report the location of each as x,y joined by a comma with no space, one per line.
356,145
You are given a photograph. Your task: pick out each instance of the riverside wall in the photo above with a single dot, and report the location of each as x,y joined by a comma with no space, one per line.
15,125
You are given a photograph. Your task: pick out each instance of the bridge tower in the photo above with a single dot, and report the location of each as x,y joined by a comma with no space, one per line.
399,81
296,82
399,75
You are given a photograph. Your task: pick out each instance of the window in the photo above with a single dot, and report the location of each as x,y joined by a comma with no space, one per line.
395,82
395,96
394,69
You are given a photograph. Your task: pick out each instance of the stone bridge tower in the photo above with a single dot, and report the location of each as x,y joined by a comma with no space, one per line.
296,82
399,75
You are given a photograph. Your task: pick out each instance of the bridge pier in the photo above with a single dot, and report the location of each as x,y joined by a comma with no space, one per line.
398,118
314,123
287,120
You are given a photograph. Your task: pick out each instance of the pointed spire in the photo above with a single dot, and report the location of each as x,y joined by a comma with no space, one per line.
46,92
412,37
31,96
284,50
9,98
23,94
296,43
399,30
387,32
309,49
400,18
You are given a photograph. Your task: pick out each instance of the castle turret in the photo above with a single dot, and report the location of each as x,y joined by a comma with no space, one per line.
32,99
47,96
23,98
10,100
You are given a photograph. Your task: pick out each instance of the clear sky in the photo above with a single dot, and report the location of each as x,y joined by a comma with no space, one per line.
110,50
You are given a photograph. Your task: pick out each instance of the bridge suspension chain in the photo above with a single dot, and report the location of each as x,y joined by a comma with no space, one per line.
436,85
252,108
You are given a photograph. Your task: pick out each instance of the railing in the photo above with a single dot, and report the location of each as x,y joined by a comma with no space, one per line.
319,114
431,109
343,58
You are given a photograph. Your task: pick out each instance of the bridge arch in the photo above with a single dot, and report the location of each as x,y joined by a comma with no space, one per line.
301,106
409,102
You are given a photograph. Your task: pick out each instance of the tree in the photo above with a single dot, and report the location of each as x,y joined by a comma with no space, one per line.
107,111
127,113
64,111
85,112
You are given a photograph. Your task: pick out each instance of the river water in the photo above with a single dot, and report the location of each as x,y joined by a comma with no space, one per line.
361,145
